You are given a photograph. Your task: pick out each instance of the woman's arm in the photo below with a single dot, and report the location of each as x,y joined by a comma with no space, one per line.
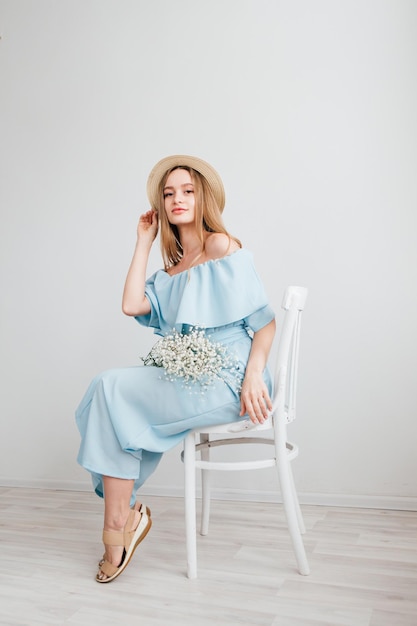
254,399
134,300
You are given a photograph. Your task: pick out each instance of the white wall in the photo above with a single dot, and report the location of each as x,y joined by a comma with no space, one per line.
307,108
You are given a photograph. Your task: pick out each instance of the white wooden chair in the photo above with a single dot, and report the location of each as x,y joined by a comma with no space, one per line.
273,433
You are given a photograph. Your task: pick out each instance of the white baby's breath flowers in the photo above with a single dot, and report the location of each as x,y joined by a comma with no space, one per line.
192,357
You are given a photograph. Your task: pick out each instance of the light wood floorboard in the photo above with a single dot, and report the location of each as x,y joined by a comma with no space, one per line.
363,561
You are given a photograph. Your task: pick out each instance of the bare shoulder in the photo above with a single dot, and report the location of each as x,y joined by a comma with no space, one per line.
219,245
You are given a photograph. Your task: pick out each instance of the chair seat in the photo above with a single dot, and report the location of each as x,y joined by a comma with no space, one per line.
241,426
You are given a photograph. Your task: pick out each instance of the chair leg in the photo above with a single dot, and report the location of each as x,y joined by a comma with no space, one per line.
290,508
190,507
205,489
300,519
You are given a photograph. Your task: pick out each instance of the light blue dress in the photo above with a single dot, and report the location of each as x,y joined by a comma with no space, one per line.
130,416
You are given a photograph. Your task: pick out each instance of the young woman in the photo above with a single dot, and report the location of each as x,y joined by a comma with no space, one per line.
210,309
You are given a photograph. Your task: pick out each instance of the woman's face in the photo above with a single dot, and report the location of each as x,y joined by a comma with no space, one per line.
179,198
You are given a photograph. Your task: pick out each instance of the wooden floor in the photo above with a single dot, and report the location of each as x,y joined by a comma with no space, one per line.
364,566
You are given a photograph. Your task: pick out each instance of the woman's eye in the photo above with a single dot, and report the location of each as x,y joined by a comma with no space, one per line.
189,191
167,193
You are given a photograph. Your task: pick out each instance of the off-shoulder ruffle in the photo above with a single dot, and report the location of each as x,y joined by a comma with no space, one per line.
212,294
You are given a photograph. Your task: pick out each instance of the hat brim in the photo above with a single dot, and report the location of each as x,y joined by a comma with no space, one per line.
178,160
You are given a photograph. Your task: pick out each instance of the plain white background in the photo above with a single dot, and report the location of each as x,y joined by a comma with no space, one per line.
307,109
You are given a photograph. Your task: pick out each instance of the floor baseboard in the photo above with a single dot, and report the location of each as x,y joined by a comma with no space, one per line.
396,503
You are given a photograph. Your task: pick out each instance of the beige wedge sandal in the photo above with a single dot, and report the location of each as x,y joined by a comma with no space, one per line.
138,506
129,539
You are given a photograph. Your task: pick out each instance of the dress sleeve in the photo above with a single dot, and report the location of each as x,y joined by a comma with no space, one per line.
151,319
260,318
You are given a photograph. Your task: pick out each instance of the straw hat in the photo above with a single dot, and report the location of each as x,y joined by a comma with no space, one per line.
178,160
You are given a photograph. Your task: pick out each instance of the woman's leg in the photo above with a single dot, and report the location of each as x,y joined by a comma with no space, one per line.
117,496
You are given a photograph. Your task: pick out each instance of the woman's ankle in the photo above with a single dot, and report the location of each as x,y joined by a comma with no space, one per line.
116,521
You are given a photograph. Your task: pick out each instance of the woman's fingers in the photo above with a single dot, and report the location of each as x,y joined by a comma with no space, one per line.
148,223
256,403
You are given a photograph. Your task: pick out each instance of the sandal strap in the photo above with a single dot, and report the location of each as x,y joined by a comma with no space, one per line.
108,568
120,537
113,538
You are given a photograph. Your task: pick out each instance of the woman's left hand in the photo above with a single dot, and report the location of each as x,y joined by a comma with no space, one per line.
254,398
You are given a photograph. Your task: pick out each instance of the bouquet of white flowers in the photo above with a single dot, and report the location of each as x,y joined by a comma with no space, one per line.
191,356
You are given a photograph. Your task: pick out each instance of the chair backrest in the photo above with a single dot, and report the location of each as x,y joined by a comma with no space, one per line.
286,368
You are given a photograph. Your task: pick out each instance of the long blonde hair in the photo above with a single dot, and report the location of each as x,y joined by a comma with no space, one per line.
208,218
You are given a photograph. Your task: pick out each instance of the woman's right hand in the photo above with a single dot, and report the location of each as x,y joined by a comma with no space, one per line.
148,226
